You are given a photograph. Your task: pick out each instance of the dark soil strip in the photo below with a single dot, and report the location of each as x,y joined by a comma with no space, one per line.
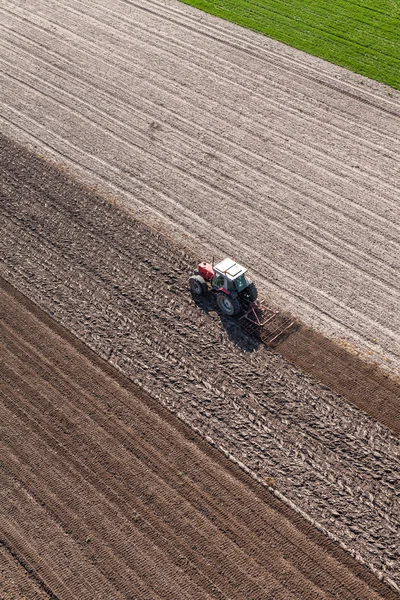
364,385
17,580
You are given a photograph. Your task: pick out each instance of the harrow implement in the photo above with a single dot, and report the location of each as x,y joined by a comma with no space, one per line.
266,323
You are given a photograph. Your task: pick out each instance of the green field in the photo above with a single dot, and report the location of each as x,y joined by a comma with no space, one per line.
363,36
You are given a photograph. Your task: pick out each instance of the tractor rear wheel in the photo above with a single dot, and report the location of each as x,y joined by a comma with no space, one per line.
197,285
230,306
251,292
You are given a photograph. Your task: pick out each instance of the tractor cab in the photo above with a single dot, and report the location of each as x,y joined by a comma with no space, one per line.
230,276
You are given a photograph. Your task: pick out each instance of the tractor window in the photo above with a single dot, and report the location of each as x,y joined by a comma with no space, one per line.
218,281
241,283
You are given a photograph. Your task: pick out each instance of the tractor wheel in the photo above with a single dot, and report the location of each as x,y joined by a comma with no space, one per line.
251,292
197,285
229,306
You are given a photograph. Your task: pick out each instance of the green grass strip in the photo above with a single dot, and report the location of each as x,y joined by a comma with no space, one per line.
363,35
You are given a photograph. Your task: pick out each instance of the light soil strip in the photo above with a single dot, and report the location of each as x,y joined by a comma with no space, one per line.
229,142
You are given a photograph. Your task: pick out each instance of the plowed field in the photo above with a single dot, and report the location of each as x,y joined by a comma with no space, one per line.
105,495
122,289
230,141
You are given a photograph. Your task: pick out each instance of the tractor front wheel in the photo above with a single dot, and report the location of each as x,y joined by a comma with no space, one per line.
197,285
230,306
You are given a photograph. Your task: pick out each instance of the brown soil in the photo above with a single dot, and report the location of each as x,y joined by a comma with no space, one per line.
105,494
122,288
368,387
17,581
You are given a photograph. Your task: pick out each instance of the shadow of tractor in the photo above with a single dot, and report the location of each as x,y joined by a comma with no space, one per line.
236,333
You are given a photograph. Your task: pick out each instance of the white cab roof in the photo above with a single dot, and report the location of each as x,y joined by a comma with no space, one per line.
230,268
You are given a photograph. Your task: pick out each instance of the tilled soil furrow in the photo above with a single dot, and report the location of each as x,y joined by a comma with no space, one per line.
59,561
188,55
105,300
196,165
50,463
237,577
115,535
110,223
114,460
16,582
134,47
247,514
141,130
199,496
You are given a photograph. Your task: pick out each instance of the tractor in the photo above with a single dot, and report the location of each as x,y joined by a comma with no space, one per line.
228,280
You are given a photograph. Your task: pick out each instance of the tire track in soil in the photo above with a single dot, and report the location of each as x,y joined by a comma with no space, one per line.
16,580
122,289
186,118
92,448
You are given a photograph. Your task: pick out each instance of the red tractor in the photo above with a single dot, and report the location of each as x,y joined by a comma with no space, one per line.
227,278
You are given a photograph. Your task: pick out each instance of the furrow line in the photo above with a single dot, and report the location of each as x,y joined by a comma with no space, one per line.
165,82
135,483
189,45
275,103
47,523
252,169
308,182
207,73
370,97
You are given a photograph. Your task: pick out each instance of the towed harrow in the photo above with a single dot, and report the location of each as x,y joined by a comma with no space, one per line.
266,323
